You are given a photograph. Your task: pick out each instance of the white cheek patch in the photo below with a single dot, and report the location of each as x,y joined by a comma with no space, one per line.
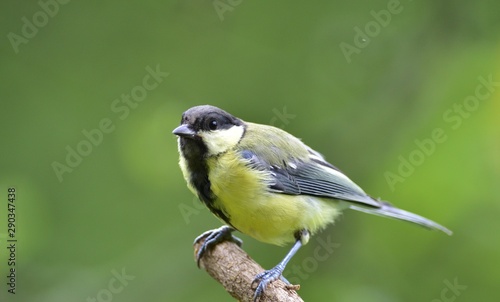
219,141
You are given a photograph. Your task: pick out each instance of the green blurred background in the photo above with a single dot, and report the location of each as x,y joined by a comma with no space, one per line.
125,205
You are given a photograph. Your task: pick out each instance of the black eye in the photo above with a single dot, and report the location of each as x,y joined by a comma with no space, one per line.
212,124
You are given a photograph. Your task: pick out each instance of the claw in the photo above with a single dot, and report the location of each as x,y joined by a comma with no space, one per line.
266,277
214,237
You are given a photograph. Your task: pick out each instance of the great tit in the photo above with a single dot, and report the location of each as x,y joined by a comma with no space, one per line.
266,183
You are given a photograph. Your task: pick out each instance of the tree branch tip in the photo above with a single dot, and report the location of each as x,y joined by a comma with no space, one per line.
235,270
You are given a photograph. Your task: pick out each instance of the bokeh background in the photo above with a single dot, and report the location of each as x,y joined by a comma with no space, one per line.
362,99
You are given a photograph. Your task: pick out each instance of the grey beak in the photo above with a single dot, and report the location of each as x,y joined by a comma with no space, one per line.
184,130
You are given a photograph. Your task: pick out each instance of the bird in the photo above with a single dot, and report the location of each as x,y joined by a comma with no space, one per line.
266,183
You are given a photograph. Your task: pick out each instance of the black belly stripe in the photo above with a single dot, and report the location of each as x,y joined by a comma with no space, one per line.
194,151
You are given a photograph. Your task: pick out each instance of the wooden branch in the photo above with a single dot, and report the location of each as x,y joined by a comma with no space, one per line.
235,270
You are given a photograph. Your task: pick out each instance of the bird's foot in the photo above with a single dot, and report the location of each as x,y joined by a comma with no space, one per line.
214,237
263,279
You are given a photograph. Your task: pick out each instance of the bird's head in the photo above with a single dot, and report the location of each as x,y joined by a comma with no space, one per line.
210,129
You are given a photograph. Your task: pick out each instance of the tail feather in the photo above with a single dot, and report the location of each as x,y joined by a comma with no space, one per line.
389,211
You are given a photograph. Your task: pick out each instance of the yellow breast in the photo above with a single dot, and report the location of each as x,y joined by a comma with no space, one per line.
243,195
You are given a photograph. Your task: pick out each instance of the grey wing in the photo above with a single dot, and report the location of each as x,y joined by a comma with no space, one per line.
319,178
315,177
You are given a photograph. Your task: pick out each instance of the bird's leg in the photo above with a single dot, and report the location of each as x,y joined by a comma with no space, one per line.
213,237
266,277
